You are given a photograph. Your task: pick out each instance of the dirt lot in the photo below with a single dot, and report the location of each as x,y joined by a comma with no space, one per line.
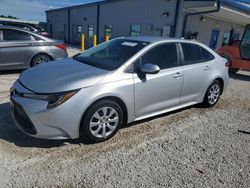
193,147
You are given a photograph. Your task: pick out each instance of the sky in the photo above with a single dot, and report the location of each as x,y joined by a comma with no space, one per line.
34,9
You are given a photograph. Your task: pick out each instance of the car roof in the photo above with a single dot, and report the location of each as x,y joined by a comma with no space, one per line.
149,39
17,24
12,27
154,39
157,39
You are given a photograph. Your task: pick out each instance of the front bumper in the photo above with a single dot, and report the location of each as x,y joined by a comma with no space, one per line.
33,118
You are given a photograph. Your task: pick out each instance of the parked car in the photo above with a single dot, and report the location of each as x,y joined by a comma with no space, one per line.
117,82
29,27
21,49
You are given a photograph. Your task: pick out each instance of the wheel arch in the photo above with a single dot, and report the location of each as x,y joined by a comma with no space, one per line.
114,98
40,53
221,82
220,79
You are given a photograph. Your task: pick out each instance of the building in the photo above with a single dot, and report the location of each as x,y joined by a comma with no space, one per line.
209,21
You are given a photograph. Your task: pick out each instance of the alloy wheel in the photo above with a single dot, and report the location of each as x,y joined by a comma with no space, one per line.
103,122
214,94
42,59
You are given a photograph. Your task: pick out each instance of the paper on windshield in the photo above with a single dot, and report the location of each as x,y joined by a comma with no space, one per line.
131,44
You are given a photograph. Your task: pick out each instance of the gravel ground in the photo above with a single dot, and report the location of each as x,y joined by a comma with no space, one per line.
193,147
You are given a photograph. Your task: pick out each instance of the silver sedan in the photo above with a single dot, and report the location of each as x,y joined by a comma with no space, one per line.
115,83
21,49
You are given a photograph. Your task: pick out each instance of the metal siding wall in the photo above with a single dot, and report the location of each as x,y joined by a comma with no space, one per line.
77,16
180,20
58,19
122,14
205,28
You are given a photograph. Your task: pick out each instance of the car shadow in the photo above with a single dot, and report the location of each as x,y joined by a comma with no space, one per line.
10,133
162,115
238,76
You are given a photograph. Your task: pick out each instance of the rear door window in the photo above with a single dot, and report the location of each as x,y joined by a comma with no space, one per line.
14,35
164,55
192,53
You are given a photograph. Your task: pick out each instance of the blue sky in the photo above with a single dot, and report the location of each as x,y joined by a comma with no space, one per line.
34,9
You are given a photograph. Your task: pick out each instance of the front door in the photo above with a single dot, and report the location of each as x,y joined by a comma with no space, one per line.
155,93
214,38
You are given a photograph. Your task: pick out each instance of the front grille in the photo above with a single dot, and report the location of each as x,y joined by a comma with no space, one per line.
23,119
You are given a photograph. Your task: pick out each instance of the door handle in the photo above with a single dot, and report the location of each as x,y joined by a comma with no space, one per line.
177,75
207,68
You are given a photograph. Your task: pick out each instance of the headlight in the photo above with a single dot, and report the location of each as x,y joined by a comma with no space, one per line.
54,100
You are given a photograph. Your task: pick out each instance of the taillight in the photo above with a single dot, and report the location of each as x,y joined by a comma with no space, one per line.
61,46
227,64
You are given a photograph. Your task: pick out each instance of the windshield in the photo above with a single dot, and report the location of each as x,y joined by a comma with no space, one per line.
111,55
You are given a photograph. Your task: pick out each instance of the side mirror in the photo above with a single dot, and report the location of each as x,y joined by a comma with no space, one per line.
150,69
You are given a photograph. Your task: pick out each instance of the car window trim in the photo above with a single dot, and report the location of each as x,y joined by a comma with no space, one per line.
192,62
32,39
132,67
207,52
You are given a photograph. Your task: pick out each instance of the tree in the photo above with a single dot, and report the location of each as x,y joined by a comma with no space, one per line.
9,16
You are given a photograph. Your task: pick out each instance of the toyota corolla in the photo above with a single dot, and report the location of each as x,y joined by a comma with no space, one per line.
120,81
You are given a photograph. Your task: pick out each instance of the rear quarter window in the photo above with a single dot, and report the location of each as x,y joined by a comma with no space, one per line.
194,53
206,55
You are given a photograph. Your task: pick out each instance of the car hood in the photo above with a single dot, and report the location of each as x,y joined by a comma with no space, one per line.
60,76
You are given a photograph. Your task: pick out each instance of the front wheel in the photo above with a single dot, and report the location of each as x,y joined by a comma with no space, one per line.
101,121
212,95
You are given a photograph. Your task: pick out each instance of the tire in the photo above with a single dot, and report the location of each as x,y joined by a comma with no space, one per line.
40,59
233,70
95,121
212,95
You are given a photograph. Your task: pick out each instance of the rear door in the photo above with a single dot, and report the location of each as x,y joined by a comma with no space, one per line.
197,67
17,48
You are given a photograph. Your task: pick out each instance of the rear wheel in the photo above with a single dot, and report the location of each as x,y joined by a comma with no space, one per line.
212,94
40,59
101,121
